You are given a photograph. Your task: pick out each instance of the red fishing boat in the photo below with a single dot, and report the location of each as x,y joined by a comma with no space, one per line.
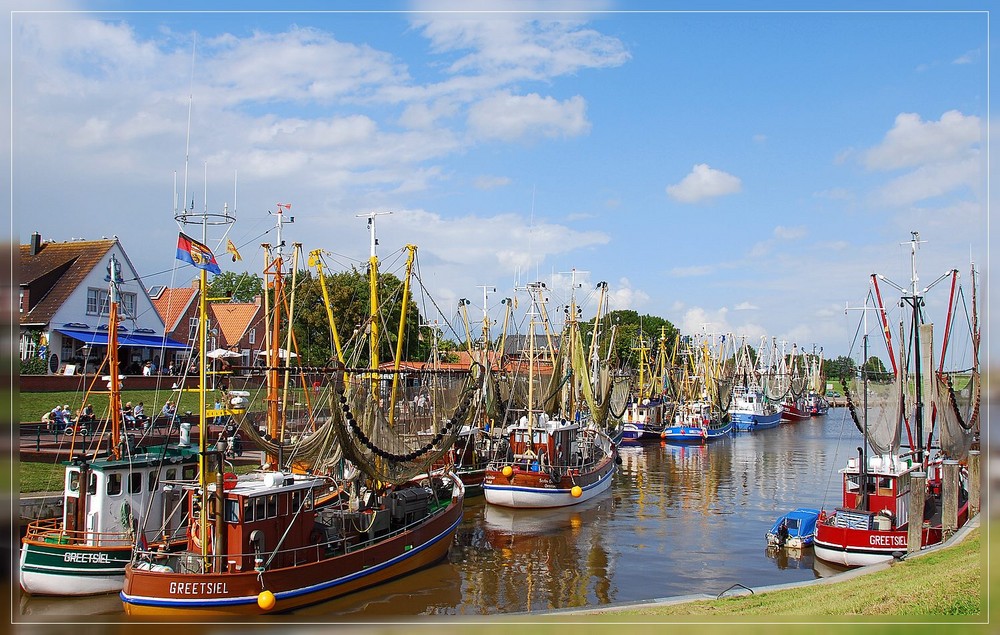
938,405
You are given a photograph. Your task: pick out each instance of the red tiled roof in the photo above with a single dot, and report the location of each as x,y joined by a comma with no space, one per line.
172,304
232,319
53,273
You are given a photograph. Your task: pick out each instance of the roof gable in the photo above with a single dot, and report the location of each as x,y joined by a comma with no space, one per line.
233,319
172,304
52,274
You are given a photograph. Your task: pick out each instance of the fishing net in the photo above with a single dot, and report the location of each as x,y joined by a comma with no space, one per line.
958,398
394,439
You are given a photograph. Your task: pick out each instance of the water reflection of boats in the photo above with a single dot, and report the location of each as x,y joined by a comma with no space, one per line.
824,569
524,522
69,608
548,557
791,557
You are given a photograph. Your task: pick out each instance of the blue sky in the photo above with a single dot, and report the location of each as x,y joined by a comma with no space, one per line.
733,172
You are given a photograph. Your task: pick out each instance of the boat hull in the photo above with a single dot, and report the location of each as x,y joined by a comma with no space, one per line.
148,593
537,490
748,422
694,434
640,432
793,414
860,547
72,570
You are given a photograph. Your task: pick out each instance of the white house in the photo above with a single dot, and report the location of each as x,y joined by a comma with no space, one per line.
64,307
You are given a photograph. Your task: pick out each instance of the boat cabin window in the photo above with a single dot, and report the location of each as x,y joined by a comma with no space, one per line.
135,482
92,484
73,481
259,512
232,510
189,472
272,505
852,484
248,516
171,474
114,484
152,481
295,499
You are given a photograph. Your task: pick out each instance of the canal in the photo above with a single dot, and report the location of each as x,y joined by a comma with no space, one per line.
678,520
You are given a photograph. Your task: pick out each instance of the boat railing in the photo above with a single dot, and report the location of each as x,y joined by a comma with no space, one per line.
345,542
51,531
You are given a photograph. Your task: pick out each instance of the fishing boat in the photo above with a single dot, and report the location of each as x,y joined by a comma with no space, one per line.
750,409
794,407
702,414
553,455
798,532
648,409
111,500
936,404
280,539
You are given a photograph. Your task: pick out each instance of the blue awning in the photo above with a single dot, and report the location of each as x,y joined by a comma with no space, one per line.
124,339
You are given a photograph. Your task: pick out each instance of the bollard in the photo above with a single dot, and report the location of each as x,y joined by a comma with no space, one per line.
915,514
949,499
38,439
974,478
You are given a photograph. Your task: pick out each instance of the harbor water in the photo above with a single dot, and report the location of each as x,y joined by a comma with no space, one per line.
678,520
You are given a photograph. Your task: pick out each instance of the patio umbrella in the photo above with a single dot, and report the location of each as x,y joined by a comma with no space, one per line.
221,353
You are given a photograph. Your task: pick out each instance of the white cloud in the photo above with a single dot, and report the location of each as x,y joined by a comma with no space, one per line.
508,117
932,180
486,182
913,142
704,182
968,57
510,46
746,306
789,233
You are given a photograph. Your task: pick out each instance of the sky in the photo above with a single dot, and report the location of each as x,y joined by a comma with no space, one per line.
731,171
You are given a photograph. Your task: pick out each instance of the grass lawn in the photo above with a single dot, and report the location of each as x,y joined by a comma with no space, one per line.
946,583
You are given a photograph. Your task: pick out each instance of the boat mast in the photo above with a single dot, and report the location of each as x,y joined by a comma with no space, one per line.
274,267
373,299
114,278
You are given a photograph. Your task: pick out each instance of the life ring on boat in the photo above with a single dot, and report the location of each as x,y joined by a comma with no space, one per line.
229,480
196,534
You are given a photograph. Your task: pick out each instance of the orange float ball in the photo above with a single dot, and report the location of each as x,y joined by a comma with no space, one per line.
576,492
507,471
265,600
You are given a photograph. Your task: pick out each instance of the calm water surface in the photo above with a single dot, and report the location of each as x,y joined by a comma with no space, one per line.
678,520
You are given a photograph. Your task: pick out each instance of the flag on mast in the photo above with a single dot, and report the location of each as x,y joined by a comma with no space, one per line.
231,248
191,251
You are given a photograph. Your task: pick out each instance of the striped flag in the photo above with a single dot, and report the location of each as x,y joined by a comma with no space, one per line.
191,251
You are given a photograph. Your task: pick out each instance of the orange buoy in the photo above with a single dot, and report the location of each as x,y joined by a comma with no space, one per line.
507,471
576,492
265,600
229,480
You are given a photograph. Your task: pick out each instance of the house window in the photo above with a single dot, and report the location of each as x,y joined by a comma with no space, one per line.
192,328
128,304
252,336
97,302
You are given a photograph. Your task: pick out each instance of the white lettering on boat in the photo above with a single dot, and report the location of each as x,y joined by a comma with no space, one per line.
198,588
96,557
892,540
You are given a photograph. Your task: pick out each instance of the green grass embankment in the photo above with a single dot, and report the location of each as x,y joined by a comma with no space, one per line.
948,582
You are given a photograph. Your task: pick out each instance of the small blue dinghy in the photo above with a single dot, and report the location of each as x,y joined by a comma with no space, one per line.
800,528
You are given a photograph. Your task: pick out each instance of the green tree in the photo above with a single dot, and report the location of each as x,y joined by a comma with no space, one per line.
631,328
238,287
349,304
842,367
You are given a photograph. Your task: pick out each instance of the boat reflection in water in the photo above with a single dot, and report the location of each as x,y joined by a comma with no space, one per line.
69,609
539,559
791,557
